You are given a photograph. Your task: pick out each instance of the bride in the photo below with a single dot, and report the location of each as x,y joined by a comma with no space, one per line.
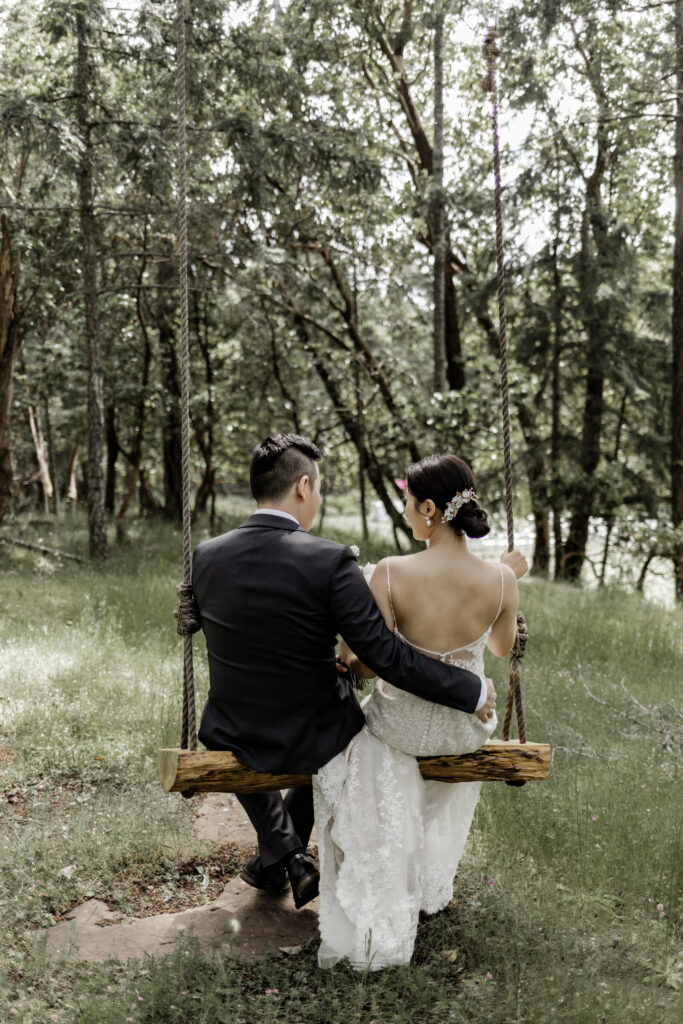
389,842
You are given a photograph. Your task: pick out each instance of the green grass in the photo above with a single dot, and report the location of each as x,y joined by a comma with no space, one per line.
555,914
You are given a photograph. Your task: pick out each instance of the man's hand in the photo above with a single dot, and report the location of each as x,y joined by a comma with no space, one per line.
342,669
485,714
517,562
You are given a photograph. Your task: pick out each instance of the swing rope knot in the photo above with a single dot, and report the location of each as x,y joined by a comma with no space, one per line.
490,47
521,637
187,615
491,50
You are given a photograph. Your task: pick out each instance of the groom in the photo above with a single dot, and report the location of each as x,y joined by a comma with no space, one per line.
272,600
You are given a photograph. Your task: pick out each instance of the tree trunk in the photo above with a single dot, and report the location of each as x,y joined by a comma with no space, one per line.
455,362
207,486
10,343
43,473
51,454
597,323
538,489
556,400
288,396
677,331
96,516
439,337
360,416
112,455
597,330
70,488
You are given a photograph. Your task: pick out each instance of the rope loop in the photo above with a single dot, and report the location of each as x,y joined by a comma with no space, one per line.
187,614
521,638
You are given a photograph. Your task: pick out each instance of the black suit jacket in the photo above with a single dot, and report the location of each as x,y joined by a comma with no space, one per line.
273,599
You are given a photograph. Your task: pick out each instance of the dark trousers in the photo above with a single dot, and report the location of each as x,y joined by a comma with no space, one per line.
283,824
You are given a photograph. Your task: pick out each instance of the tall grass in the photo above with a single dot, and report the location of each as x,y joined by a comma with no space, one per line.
567,905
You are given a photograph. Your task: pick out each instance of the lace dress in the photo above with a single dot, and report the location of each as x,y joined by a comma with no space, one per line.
389,842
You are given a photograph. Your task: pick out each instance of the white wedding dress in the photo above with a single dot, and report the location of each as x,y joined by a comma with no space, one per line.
389,842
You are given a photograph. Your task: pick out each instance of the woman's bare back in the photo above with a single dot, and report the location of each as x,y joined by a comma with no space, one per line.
447,599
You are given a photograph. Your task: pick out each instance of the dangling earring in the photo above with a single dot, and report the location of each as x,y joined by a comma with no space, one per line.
429,522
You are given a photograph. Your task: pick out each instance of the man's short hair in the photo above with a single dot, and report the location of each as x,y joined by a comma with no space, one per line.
278,462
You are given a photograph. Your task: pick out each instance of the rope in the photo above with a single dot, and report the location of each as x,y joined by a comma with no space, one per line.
491,51
189,728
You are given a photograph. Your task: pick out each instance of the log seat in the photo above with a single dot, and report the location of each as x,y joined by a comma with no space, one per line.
219,771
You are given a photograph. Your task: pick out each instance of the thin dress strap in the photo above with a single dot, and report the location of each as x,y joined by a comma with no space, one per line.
500,603
391,603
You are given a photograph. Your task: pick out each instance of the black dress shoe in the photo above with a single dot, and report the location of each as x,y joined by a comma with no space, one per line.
272,879
305,879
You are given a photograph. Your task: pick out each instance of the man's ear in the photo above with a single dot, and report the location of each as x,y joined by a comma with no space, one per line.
302,485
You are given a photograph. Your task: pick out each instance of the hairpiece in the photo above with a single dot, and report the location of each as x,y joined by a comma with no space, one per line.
456,503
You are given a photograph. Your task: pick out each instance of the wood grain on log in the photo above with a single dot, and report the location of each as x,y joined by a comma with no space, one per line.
219,771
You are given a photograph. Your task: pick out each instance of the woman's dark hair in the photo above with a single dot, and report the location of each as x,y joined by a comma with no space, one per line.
278,462
441,477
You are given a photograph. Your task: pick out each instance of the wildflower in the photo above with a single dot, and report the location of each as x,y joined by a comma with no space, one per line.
108,988
489,976
594,818
660,906
491,882
272,991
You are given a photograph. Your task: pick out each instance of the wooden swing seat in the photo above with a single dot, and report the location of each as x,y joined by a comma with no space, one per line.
219,771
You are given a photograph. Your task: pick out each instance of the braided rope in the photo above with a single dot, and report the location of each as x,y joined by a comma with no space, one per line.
189,728
491,51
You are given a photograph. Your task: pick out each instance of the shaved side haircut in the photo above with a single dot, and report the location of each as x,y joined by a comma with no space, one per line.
278,462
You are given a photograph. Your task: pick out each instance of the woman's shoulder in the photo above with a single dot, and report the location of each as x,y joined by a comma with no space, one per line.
492,570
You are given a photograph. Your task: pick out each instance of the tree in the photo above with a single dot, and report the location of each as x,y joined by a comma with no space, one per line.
438,213
10,343
677,333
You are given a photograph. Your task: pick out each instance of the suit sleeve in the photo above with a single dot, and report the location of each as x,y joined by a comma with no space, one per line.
362,625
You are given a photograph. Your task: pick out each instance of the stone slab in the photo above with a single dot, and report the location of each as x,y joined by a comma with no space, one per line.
243,922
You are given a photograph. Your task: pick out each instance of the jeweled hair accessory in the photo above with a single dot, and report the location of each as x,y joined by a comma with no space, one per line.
456,503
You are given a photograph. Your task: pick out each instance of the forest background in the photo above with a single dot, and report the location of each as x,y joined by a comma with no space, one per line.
342,258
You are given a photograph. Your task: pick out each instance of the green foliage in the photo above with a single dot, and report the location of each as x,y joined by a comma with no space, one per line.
310,261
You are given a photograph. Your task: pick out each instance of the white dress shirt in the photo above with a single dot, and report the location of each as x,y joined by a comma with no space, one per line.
276,512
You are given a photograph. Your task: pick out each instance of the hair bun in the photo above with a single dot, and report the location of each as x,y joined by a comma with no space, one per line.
473,519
